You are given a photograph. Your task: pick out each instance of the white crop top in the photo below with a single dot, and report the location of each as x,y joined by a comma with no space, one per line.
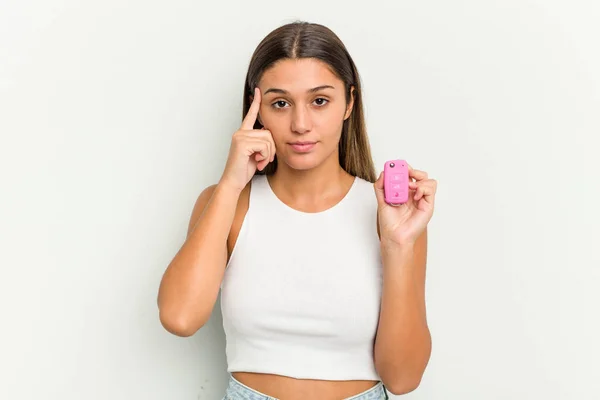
301,293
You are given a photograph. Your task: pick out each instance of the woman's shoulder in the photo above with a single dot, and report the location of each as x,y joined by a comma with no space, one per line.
365,188
204,197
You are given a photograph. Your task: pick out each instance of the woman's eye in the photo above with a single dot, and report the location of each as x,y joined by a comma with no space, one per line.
320,102
279,104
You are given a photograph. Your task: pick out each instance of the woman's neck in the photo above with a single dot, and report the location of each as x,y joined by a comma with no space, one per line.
325,183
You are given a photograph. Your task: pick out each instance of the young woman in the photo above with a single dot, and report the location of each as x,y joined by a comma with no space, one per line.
322,283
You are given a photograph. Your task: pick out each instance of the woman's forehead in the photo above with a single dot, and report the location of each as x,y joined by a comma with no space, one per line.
299,75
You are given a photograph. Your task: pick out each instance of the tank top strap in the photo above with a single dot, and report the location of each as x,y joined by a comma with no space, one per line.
260,195
262,206
258,185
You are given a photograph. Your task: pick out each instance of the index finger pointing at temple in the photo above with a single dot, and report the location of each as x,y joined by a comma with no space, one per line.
250,119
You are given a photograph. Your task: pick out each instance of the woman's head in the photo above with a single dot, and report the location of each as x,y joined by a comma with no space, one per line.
310,92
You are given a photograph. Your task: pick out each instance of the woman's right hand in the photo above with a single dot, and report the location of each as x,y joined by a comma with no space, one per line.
250,149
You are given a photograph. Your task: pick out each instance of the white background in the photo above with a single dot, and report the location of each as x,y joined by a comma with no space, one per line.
115,115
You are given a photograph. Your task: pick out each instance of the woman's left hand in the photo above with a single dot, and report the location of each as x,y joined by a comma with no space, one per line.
403,224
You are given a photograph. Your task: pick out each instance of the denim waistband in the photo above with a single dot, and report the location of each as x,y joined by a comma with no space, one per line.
238,391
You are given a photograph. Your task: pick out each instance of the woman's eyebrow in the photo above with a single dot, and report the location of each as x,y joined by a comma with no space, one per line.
316,89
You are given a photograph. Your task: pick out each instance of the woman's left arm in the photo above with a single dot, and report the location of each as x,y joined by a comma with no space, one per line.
403,341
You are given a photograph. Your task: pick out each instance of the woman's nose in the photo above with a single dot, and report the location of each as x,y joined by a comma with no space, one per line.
301,120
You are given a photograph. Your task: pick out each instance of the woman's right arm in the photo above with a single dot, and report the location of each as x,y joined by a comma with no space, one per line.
190,285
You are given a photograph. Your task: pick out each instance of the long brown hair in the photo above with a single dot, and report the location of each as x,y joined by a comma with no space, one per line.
309,40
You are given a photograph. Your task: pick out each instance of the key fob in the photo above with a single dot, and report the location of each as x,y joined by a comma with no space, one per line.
395,182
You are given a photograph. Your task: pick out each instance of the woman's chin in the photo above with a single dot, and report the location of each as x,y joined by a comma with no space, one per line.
300,162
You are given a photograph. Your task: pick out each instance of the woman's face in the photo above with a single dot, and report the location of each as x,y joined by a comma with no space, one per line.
303,105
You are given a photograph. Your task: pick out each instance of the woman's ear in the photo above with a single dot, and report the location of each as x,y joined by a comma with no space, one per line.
350,105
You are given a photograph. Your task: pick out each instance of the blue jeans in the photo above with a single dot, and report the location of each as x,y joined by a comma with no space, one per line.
238,391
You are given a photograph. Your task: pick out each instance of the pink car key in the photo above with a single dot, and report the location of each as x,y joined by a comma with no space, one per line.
395,182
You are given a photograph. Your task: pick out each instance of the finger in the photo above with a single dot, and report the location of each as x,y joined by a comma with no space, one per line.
260,163
427,182
268,136
272,141
425,190
258,146
252,114
263,160
417,174
260,135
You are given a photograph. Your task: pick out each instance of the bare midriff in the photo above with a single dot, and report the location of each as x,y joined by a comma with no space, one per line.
287,388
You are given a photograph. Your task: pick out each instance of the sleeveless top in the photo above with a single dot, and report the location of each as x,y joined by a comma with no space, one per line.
301,294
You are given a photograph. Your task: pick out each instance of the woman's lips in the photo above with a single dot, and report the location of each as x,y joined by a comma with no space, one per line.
303,147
